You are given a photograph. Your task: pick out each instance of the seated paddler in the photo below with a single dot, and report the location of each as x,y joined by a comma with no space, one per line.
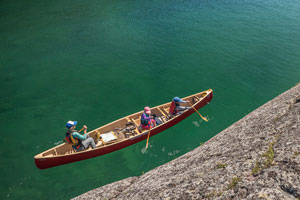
79,142
176,107
147,120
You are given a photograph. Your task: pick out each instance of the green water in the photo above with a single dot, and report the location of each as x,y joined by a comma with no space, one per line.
97,61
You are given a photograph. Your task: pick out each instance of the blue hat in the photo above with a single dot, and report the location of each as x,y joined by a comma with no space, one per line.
177,100
71,123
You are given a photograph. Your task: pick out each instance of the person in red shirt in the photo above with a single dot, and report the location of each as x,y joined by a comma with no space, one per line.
176,108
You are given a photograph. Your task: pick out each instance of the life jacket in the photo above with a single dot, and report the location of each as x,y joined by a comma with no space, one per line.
172,108
143,120
76,143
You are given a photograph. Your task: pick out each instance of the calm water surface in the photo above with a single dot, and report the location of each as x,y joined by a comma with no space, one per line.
98,61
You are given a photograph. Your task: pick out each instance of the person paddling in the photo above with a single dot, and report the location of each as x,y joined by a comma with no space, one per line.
176,108
79,142
146,120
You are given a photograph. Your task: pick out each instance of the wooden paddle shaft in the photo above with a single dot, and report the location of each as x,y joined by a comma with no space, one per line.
148,134
80,130
198,113
148,138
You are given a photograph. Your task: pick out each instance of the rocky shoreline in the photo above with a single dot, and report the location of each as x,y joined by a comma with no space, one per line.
258,157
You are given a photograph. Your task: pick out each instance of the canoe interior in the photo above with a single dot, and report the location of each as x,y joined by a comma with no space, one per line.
119,128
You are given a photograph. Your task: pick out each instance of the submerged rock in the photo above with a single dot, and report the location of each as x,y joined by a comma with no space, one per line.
258,157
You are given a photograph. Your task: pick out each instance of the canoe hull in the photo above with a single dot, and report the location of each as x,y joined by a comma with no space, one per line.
44,163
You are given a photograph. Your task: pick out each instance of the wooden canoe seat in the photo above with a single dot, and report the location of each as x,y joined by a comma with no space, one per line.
195,99
163,113
136,130
166,110
133,121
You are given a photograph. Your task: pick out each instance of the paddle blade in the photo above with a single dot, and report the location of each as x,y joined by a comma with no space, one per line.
204,118
198,113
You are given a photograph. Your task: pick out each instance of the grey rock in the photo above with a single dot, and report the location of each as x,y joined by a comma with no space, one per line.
258,157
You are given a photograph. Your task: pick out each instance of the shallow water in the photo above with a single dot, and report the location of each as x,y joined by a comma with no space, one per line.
96,62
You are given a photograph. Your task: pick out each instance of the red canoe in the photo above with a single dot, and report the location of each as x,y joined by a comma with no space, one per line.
120,133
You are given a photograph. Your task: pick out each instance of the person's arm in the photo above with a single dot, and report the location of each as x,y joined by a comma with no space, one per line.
147,118
85,128
184,101
79,136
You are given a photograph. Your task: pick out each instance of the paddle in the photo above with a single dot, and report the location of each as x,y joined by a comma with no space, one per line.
80,130
148,134
198,112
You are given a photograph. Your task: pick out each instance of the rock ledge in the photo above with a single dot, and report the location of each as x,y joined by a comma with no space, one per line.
257,157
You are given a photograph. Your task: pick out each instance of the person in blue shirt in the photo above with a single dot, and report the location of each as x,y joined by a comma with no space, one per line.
79,142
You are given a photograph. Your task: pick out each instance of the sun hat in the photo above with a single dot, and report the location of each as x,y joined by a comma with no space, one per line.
177,100
147,110
71,123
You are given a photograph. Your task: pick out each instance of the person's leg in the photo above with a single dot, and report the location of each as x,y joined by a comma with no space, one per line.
89,142
153,123
181,108
145,127
80,149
